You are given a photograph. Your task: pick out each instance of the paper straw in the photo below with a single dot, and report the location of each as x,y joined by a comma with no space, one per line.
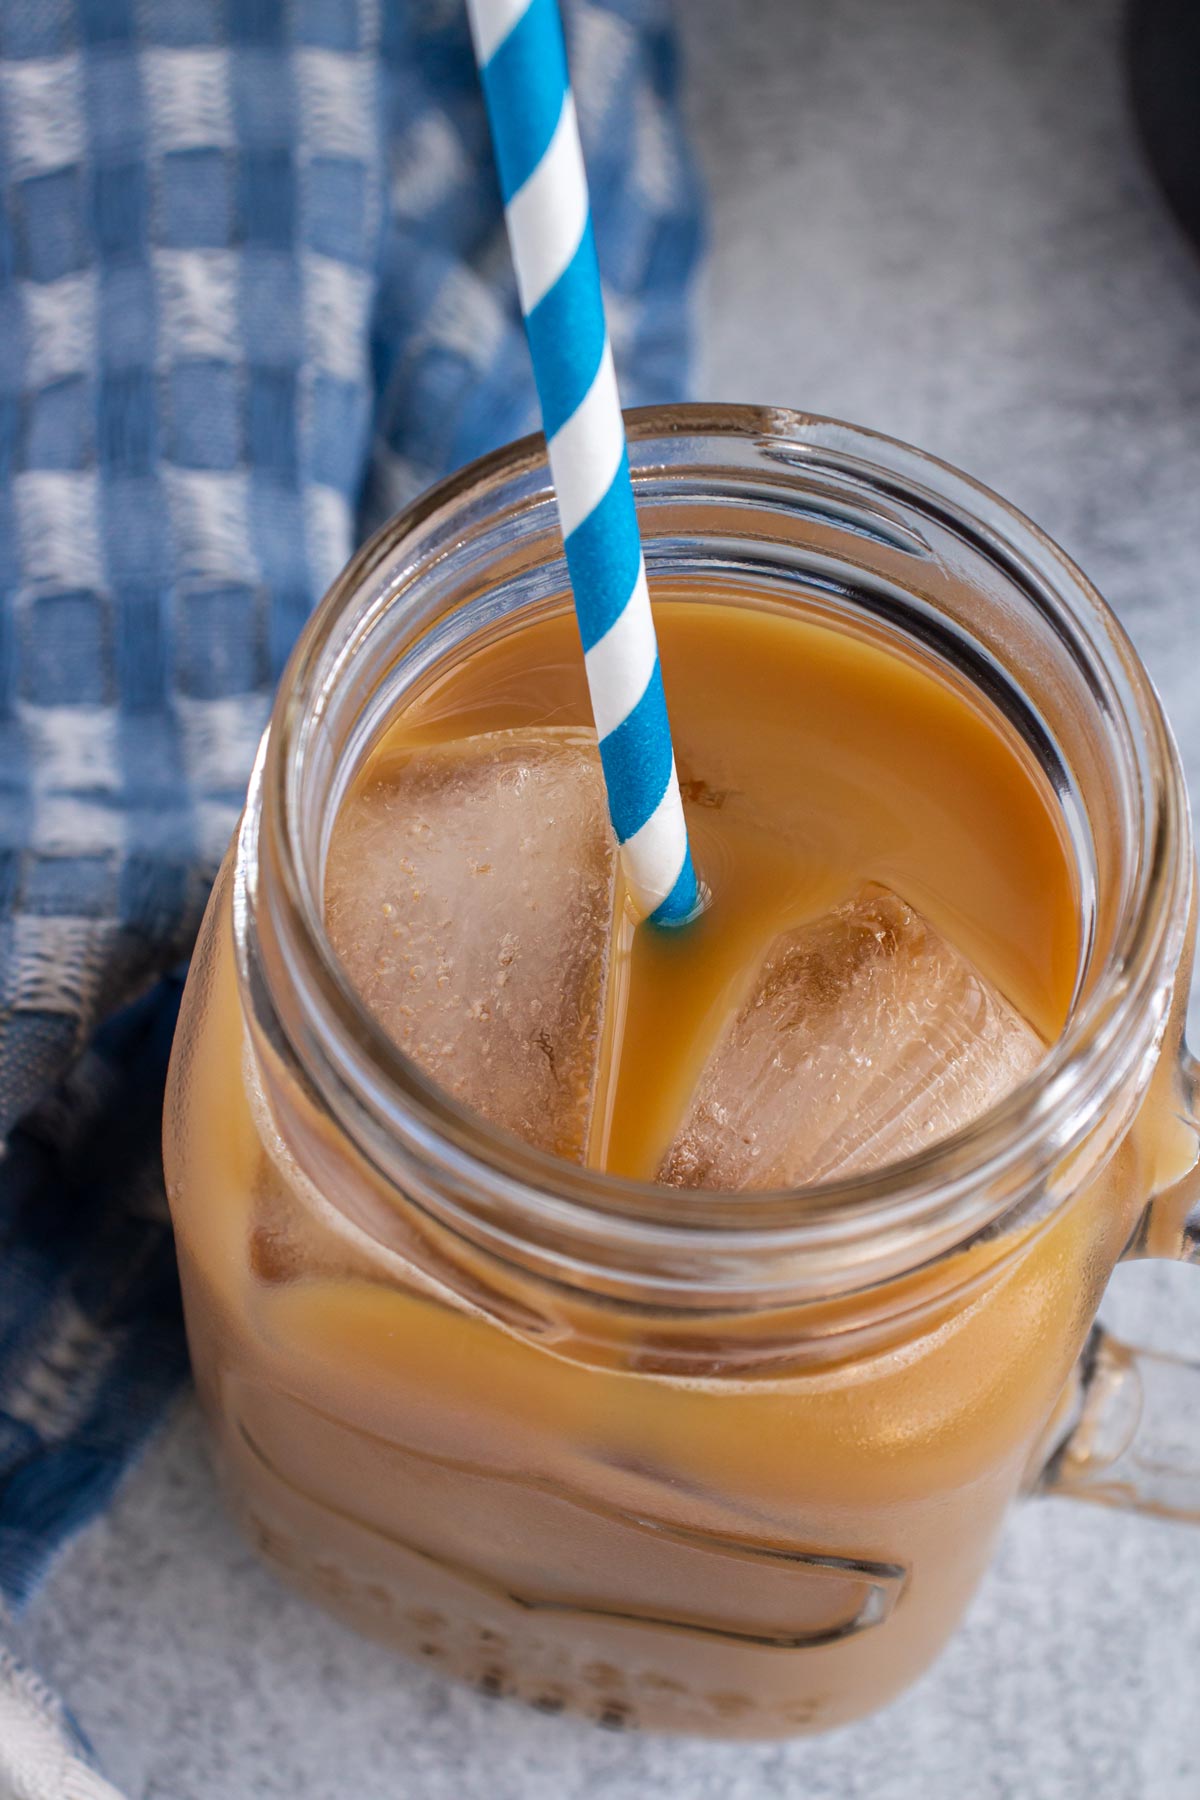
523,66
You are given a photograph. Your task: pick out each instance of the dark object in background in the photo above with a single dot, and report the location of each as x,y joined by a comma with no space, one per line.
1163,47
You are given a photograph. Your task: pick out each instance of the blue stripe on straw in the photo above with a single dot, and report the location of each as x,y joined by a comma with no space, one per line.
681,903
567,335
526,82
637,760
603,555
528,97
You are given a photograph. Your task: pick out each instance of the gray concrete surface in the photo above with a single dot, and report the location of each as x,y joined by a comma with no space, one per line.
930,217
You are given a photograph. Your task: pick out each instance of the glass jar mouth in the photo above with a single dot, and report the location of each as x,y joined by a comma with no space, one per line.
422,1141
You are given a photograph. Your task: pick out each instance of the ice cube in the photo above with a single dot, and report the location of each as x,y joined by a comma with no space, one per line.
865,1037
470,892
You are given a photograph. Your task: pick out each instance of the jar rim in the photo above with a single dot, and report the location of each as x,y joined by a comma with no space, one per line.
422,1140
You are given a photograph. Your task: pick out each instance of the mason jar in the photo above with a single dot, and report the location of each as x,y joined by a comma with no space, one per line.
683,1460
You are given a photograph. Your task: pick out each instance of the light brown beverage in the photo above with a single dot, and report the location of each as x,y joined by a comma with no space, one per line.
751,1523
684,1459
811,761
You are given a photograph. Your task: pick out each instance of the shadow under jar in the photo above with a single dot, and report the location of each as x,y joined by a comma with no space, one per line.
730,1464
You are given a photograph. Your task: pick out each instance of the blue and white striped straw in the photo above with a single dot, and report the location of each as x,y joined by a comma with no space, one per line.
523,65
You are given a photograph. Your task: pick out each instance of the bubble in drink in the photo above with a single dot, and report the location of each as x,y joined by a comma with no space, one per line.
470,893
864,1038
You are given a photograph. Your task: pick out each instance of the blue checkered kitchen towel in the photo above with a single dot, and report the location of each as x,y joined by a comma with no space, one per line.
254,294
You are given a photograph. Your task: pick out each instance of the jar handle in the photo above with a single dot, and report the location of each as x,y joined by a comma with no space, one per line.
1133,1432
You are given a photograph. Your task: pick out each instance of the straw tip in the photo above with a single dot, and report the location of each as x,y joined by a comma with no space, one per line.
685,902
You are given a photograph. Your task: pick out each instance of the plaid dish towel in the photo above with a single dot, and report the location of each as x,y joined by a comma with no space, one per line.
254,294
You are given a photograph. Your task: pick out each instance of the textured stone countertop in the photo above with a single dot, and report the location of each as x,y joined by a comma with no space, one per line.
930,217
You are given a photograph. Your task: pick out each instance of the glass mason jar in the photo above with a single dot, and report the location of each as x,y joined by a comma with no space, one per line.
714,1463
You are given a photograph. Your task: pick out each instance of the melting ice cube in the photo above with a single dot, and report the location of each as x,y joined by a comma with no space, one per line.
864,1037
470,893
